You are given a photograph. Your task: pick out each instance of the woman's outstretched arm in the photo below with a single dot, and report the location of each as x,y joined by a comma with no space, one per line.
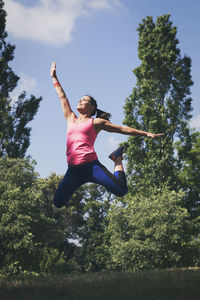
101,124
66,108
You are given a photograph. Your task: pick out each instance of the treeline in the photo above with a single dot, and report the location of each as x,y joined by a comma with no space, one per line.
156,225
95,232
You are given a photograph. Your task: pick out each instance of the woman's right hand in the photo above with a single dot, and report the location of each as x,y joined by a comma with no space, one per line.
53,70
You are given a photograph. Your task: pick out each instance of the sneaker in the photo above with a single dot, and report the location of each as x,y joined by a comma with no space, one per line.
117,153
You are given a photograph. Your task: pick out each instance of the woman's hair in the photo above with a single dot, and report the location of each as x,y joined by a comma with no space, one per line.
99,113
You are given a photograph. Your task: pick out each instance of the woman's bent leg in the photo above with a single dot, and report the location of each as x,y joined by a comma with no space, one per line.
115,183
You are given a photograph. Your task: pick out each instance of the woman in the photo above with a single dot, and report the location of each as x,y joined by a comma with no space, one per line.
83,163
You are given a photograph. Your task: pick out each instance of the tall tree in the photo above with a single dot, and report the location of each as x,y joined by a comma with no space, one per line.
152,226
14,116
160,102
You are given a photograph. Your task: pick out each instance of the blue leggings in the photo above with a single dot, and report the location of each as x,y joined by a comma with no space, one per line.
90,172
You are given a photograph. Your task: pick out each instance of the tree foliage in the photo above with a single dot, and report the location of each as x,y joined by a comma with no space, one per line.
33,233
157,224
93,250
14,114
160,102
152,231
189,172
38,238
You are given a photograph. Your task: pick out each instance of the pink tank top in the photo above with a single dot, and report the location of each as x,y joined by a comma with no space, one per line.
80,142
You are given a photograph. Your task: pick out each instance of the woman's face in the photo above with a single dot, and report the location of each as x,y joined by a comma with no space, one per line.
84,105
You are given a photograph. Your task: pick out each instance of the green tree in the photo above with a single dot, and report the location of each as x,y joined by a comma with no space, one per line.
14,116
152,226
152,231
160,102
30,229
17,247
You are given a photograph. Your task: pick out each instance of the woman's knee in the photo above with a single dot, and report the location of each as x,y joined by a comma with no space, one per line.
59,202
122,192
61,197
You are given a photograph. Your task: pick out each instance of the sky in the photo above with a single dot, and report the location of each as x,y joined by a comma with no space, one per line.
94,43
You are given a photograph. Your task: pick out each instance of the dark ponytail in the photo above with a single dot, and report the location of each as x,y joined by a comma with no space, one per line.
102,114
99,113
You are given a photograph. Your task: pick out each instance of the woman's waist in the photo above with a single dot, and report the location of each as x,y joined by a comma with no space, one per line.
85,164
81,156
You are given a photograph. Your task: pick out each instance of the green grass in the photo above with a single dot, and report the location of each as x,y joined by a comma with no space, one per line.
177,284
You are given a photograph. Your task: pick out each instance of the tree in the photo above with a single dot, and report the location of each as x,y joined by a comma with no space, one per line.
152,231
160,102
152,226
32,230
14,116
17,246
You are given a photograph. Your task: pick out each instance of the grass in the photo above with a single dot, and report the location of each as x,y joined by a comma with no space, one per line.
175,284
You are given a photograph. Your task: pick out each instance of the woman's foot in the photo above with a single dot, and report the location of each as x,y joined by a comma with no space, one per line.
115,155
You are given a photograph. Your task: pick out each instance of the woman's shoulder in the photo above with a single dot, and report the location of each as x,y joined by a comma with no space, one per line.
100,124
100,121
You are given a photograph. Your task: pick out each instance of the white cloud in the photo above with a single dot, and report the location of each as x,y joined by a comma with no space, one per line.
104,4
51,21
26,83
195,122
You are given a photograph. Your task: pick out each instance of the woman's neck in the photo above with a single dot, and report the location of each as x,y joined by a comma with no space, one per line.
82,117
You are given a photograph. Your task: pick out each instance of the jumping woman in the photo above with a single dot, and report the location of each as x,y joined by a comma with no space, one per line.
83,163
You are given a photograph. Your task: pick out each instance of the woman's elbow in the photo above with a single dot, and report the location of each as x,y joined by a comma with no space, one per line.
125,130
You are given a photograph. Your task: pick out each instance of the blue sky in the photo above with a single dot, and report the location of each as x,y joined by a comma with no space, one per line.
94,43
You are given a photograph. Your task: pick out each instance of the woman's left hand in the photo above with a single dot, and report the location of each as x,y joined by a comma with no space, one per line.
53,70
